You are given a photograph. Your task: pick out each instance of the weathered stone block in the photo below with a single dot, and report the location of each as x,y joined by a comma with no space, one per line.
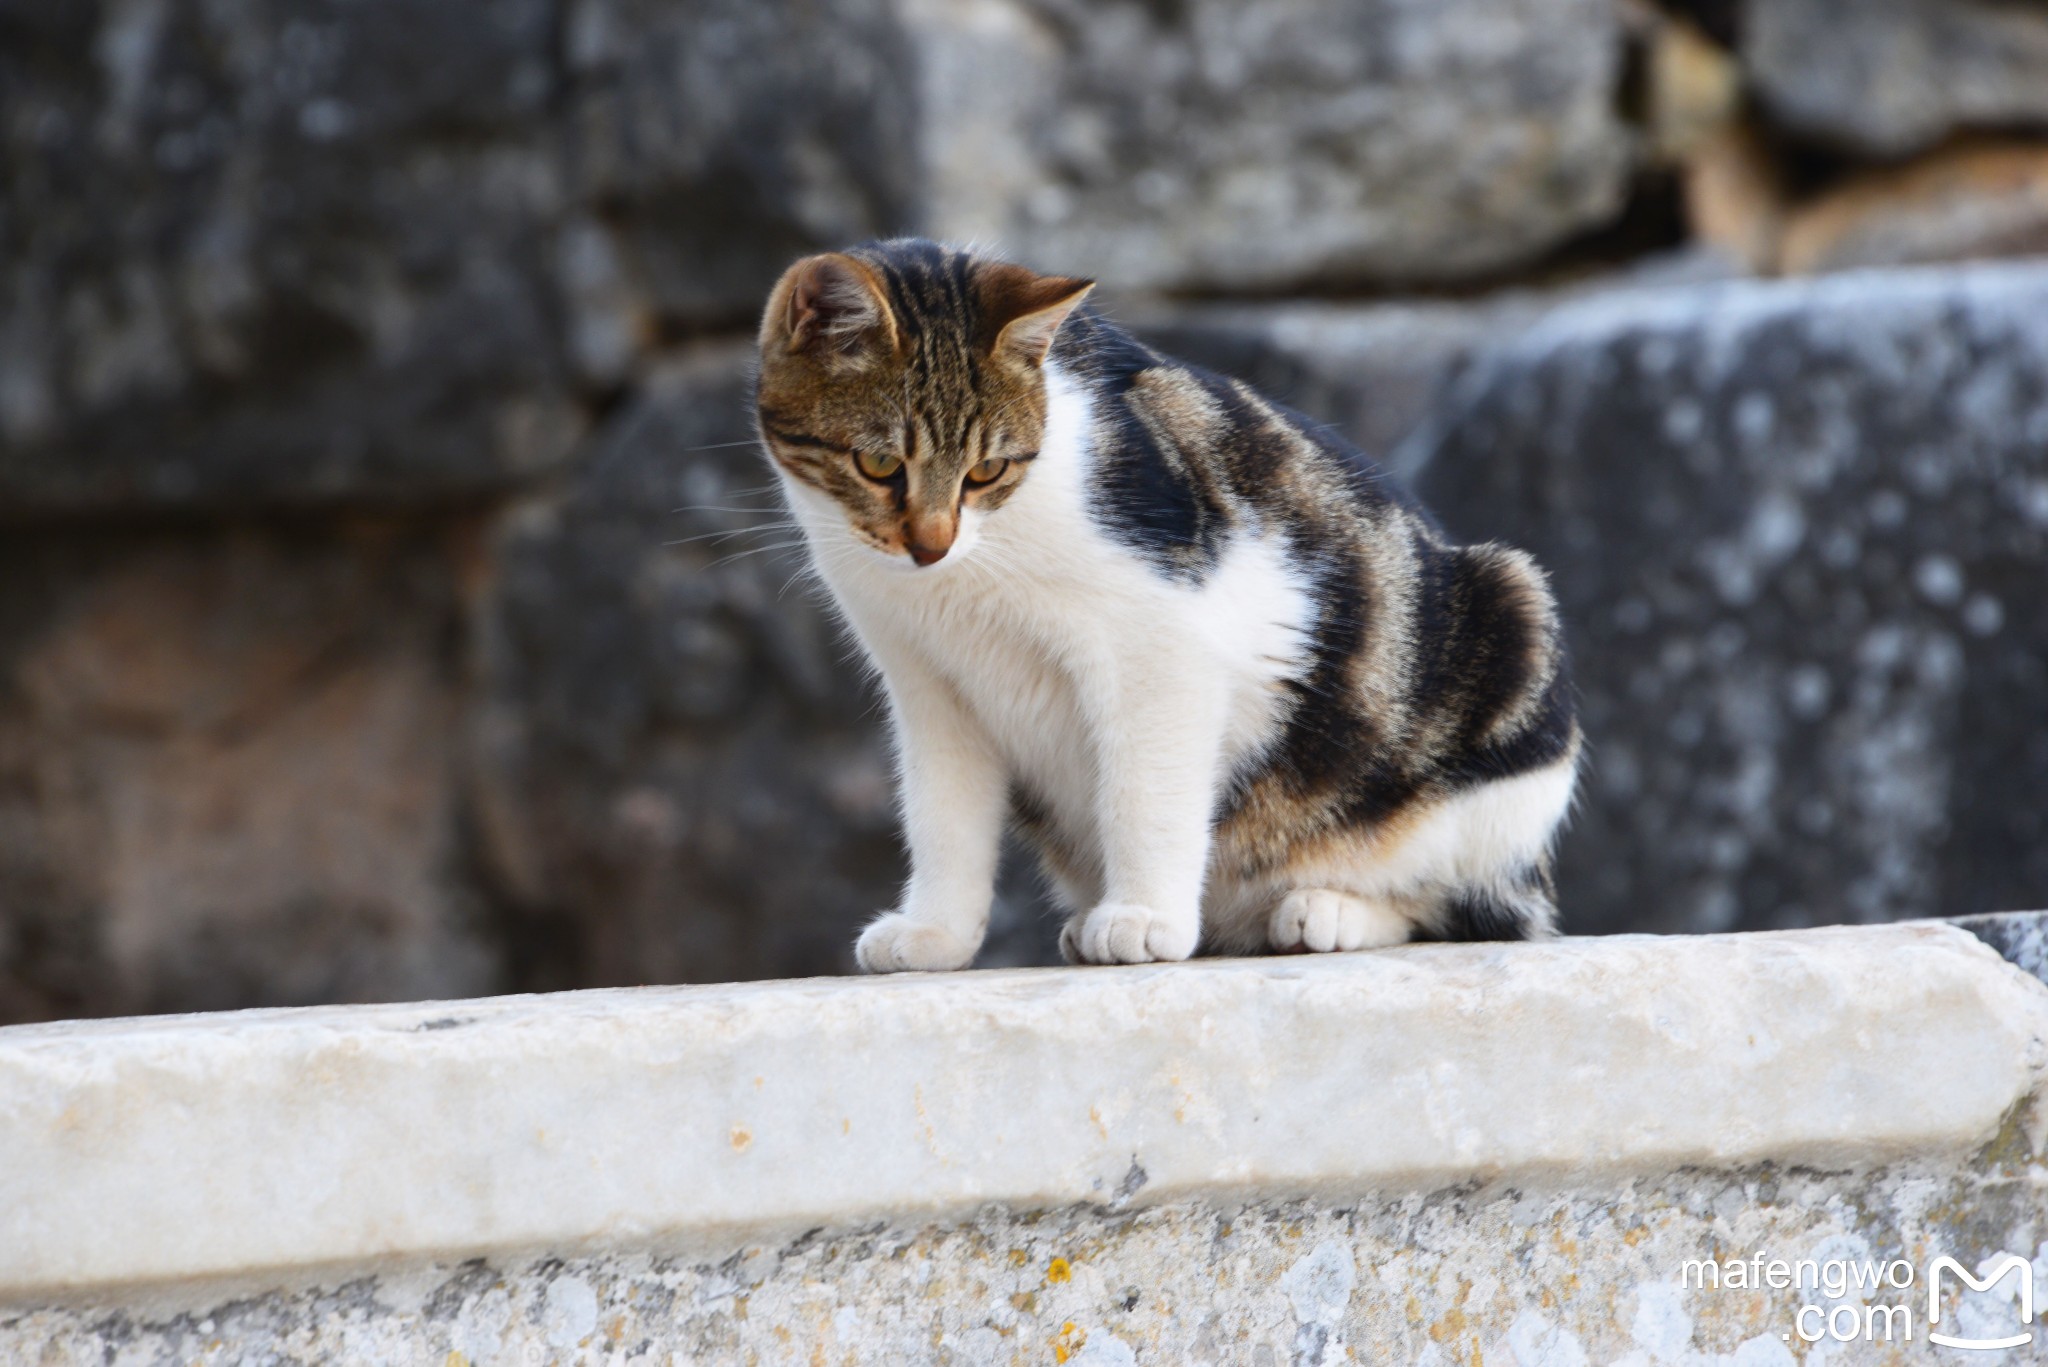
1223,145
312,252
257,254
1957,204
1209,146
1893,76
1798,531
229,774
726,139
1431,1154
2020,936
1375,370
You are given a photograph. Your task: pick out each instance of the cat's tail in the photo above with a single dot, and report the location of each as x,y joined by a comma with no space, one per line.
1521,907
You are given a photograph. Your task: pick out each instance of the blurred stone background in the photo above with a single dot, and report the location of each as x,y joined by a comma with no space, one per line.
390,602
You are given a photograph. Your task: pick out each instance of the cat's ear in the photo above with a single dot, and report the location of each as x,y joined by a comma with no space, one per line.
829,305
1025,309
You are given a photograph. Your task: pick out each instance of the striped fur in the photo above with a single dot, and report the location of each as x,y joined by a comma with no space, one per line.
1238,690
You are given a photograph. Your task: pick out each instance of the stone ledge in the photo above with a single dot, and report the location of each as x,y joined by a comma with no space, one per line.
244,1144
2020,937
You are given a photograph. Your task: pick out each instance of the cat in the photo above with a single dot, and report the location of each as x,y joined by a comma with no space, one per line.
1238,690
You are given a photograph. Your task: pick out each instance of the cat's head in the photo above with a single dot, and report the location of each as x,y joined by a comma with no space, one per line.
904,383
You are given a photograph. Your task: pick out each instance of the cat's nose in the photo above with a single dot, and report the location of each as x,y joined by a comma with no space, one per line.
928,536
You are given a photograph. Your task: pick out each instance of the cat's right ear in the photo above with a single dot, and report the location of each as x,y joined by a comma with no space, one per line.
1027,309
830,305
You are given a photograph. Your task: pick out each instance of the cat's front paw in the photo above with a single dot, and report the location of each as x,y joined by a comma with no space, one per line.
896,943
1320,920
1124,933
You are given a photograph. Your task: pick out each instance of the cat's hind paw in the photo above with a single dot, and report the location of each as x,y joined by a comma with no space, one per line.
1320,920
896,943
1124,933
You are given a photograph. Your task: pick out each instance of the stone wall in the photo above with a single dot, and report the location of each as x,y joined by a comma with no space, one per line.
1797,529
379,611
1509,1154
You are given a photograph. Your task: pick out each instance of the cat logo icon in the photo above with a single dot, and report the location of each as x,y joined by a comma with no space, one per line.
2013,1263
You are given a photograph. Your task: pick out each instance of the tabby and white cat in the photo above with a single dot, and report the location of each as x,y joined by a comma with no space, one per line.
1239,692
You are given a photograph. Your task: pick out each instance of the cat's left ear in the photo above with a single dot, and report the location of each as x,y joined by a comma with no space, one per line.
830,305
1025,309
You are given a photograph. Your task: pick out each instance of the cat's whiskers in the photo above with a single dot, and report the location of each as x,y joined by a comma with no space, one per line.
757,550
715,537
808,570
742,511
813,569
988,555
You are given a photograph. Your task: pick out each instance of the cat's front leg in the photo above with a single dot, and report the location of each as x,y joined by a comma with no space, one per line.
953,795
1159,724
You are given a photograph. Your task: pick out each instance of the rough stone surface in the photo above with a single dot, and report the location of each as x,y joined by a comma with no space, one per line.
1955,205
1893,76
310,252
1527,1274
1735,196
1798,531
239,1145
2021,936
229,772
1217,144
276,253
1376,371
722,140
1686,1079
1692,84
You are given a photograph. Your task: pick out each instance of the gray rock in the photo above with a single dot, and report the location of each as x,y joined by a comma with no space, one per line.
277,254
1972,202
312,252
1207,146
1892,76
725,139
1799,532
230,773
1222,145
1374,370
2020,936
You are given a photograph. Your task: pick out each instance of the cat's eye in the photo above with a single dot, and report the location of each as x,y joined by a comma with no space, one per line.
988,471
878,464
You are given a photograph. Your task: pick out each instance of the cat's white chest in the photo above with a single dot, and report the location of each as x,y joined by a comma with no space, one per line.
1038,665
1040,620
1026,689
1041,651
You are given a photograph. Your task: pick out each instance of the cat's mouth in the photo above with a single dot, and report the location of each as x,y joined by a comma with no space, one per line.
908,561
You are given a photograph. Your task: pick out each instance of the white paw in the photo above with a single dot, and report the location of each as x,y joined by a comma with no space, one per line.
897,944
1122,933
1320,920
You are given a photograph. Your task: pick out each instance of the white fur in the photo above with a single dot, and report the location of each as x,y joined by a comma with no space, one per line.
1039,649
1323,919
1479,838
